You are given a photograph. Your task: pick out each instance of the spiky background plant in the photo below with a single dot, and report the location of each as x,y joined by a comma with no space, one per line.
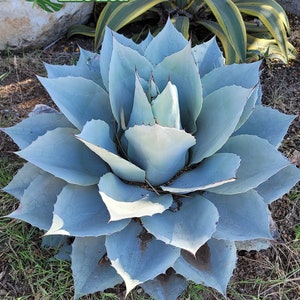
161,163
247,29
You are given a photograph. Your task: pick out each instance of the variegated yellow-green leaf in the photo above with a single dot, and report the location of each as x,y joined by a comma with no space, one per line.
115,15
230,54
81,29
272,18
182,24
230,20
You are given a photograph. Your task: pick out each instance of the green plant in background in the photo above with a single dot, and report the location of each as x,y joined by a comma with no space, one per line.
47,5
3,76
160,164
246,28
297,233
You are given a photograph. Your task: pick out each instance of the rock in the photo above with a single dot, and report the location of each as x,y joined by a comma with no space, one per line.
23,26
293,6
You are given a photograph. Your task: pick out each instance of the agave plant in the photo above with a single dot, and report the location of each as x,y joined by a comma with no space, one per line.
161,163
247,29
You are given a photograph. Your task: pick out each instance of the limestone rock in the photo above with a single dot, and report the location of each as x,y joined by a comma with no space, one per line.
23,26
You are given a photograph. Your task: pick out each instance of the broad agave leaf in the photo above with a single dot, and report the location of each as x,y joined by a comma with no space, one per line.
212,265
161,162
87,66
165,286
91,272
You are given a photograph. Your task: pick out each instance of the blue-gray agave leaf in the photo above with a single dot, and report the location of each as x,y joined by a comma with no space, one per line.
207,53
212,265
80,211
87,67
66,158
254,99
125,201
167,101
167,42
22,180
267,123
259,161
37,209
141,112
182,229
214,171
91,271
245,75
284,180
107,48
165,286
142,257
89,100
189,86
161,163
27,131
160,151
220,115
124,64
255,221
99,141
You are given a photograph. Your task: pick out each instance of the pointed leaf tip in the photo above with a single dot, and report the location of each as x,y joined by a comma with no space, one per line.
259,161
89,100
189,86
217,170
141,111
167,101
89,274
80,211
96,136
151,257
231,226
167,42
125,201
165,286
213,264
218,119
188,228
61,154
208,56
28,130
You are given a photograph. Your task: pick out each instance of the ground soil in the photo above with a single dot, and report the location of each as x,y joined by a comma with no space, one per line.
20,92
